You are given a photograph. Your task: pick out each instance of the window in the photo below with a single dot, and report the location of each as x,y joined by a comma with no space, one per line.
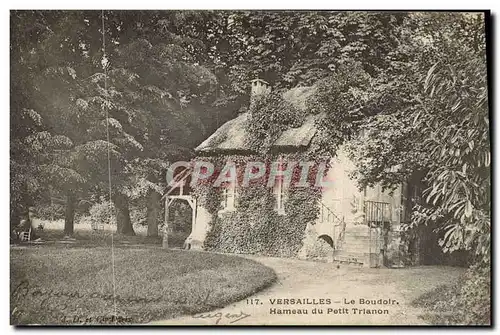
280,196
416,194
229,197
411,195
405,211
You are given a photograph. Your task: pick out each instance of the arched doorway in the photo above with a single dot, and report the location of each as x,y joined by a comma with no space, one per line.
328,239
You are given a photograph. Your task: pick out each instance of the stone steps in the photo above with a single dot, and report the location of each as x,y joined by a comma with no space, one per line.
351,258
358,248
365,239
355,227
356,258
355,247
364,233
357,243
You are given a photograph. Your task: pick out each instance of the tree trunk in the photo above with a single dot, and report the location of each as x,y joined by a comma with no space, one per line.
123,222
69,218
19,207
15,217
153,209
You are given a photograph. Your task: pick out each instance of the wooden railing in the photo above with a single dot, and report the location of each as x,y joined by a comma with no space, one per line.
326,215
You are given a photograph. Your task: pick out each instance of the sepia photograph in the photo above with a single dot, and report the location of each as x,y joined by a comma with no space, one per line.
250,167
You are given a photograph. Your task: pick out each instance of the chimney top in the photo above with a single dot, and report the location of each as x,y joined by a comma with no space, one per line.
258,80
259,87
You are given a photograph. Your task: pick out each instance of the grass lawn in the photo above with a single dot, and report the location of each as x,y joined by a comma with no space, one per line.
466,301
67,285
436,304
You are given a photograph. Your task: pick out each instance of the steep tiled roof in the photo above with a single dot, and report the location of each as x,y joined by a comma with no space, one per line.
232,135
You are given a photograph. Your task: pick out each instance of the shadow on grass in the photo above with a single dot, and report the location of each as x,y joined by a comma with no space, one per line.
437,305
54,285
90,238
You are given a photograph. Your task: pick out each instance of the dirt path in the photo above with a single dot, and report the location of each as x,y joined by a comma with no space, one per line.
304,280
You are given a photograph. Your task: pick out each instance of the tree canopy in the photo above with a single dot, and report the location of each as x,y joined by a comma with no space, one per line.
407,92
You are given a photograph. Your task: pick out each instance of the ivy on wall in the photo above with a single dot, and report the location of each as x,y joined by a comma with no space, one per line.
255,227
314,247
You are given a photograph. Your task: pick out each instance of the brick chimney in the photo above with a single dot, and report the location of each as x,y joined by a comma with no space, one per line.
259,88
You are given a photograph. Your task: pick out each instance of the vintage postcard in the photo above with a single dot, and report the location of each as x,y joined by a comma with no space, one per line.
257,167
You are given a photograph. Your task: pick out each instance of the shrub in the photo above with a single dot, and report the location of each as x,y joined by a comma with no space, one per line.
474,298
138,215
100,213
103,213
466,302
180,216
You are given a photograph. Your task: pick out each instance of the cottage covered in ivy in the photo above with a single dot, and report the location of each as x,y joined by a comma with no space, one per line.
338,223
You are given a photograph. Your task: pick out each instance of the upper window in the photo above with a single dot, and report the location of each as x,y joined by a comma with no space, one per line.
228,202
405,211
280,196
416,194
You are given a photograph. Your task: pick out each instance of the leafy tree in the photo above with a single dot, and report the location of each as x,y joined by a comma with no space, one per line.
299,48
177,75
33,141
433,120
159,88
50,66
